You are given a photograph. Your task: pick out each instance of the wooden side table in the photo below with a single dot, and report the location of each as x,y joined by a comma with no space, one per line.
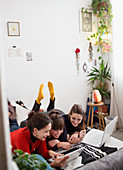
99,105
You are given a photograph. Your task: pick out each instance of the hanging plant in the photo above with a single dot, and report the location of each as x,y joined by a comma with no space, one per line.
102,9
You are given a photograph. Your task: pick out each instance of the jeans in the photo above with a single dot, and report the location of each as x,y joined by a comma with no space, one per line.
43,160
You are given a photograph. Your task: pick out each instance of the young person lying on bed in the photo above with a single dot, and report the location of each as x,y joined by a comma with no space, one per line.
58,135
32,139
74,121
75,124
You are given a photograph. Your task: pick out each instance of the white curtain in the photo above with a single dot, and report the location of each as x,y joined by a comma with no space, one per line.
117,62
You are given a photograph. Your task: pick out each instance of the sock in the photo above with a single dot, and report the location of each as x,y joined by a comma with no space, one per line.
51,90
40,94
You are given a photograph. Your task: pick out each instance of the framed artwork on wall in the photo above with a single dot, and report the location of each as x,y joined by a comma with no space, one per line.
86,21
13,28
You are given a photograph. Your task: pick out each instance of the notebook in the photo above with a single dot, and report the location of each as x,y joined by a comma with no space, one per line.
96,137
73,153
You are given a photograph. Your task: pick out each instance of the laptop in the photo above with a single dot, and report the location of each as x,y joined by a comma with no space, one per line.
72,153
96,137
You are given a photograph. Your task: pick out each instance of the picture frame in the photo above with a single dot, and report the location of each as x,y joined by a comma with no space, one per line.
13,28
86,21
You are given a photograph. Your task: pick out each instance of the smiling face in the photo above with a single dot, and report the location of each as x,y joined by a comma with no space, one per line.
75,119
56,133
43,133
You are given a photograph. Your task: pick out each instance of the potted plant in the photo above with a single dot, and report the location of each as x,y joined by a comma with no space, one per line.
98,79
102,9
27,161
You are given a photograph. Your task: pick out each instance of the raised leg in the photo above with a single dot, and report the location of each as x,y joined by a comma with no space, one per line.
52,98
40,94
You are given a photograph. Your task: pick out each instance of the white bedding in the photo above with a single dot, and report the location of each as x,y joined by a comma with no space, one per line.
22,113
111,142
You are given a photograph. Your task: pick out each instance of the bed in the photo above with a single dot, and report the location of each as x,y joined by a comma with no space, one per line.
113,161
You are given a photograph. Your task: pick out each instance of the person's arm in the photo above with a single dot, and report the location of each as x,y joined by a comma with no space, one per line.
74,139
82,134
55,144
59,162
64,145
52,144
77,137
42,149
23,143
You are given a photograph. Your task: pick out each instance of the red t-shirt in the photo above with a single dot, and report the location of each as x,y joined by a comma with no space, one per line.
21,139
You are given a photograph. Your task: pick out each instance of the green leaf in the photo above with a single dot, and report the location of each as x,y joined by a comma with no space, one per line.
82,9
98,50
99,58
26,161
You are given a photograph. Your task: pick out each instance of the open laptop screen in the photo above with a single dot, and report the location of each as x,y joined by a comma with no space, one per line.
109,130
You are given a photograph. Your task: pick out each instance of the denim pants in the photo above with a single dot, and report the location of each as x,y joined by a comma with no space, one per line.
43,160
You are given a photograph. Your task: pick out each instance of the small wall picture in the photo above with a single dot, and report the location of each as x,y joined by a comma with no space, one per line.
13,28
28,56
86,21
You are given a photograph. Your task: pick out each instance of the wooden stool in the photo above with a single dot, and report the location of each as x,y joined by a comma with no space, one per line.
100,116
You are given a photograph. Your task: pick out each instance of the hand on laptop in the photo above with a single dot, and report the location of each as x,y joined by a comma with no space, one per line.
59,162
82,134
64,145
77,137
54,155
53,142
74,139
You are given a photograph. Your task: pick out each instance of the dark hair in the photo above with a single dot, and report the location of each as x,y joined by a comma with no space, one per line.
37,120
76,108
57,120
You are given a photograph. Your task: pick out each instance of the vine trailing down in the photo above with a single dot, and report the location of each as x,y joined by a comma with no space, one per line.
102,9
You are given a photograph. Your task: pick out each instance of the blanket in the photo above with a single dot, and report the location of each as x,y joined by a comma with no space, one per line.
90,153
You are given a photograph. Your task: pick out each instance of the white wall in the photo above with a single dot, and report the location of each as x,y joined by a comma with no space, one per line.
5,152
50,30
117,90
